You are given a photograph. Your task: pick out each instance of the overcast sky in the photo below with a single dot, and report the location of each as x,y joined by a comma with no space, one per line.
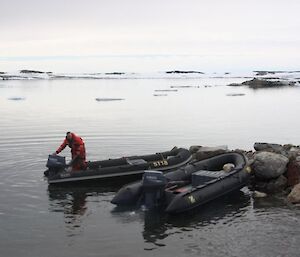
263,32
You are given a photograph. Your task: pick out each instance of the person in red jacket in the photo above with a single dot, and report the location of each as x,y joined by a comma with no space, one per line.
77,150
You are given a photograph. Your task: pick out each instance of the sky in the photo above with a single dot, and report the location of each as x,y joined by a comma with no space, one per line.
134,35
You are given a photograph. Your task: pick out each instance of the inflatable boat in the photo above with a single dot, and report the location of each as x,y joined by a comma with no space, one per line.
187,187
58,171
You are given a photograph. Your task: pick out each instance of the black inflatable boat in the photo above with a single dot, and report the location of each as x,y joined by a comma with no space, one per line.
115,168
187,187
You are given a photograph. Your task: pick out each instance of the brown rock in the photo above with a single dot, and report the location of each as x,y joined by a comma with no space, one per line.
294,196
293,172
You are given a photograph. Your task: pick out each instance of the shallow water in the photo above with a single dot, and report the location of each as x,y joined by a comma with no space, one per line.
36,220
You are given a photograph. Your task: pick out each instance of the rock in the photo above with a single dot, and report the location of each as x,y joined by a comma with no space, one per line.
293,153
194,148
235,94
234,85
293,172
268,165
206,152
262,83
258,194
115,73
272,186
274,148
294,196
183,72
277,185
32,71
248,154
262,73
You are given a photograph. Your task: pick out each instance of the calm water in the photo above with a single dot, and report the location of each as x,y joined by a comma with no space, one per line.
36,220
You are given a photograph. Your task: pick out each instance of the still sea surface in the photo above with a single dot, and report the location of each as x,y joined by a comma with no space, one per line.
40,221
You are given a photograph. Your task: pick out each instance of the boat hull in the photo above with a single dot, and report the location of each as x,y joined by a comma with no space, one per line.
133,166
181,195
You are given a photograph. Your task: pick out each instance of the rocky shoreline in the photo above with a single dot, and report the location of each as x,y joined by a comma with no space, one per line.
275,168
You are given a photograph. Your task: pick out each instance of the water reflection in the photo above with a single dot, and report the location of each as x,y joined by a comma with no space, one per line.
158,225
73,202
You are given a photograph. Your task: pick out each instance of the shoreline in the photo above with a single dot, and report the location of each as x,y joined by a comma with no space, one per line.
275,168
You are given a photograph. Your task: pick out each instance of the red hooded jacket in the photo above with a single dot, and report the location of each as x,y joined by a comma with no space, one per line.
77,146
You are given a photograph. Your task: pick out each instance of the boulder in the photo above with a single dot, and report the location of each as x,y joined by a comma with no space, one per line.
293,172
272,186
294,152
262,83
268,165
248,154
294,196
275,148
205,152
277,185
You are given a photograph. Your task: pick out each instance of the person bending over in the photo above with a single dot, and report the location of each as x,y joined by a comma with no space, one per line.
77,150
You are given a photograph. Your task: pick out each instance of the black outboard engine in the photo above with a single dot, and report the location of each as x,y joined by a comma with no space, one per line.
54,164
153,185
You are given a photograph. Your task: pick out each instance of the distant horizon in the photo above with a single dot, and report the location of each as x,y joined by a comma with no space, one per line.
133,63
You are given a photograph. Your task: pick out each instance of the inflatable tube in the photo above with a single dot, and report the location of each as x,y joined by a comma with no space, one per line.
190,186
116,168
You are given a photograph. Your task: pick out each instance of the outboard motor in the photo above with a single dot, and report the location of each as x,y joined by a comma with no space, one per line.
54,164
153,185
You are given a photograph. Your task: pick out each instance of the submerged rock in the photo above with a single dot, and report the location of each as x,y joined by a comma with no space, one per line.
267,165
294,196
